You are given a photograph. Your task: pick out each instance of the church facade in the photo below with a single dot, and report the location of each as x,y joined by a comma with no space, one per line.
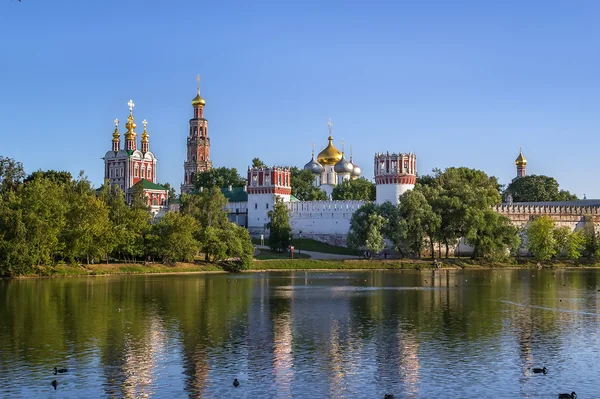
133,167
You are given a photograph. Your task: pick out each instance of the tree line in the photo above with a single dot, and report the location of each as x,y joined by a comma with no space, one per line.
456,204
48,217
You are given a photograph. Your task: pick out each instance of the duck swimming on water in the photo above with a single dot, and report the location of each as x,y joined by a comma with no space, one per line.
538,370
59,371
571,395
236,383
54,384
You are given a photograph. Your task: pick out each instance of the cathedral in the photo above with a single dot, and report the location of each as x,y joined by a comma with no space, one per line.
331,167
134,168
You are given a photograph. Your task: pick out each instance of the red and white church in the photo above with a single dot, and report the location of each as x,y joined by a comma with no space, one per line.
133,169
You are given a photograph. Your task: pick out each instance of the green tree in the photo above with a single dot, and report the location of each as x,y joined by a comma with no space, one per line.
494,238
418,220
357,233
172,192
571,243
374,239
535,188
257,163
11,174
280,232
219,177
358,189
59,177
541,239
592,242
303,187
175,234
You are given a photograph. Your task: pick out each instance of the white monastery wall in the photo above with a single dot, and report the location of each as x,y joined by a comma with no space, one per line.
390,192
309,218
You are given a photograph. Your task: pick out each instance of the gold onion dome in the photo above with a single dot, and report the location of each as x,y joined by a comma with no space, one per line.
330,155
198,100
521,161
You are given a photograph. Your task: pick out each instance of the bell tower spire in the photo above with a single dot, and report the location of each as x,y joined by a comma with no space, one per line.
198,144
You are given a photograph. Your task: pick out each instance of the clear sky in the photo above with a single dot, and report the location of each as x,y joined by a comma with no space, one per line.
460,83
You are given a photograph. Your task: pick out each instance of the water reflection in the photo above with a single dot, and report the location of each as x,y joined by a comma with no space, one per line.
300,334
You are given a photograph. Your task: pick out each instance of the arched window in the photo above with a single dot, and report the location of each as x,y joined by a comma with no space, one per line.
154,201
149,172
143,172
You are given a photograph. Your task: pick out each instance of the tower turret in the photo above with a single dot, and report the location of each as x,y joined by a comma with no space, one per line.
521,163
266,186
394,175
145,141
116,140
130,135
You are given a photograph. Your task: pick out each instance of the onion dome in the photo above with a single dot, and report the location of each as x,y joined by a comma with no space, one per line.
343,166
330,155
356,169
198,101
520,161
116,134
145,133
314,166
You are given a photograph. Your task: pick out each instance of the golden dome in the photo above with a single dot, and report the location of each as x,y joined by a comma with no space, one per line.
330,155
198,100
520,161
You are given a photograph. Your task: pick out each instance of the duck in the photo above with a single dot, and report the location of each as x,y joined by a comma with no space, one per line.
54,384
236,383
59,371
388,396
540,370
571,395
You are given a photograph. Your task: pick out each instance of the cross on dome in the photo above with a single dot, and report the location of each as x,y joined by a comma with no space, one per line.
131,105
330,125
198,80
116,122
144,122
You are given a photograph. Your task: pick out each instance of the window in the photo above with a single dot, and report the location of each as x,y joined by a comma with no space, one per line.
143,172
267,206
136,171
255,206
149,173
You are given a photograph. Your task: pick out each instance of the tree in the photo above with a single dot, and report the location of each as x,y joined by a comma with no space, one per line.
257,163
419,222
175,237
571,243
11,174
303,187
357,233
374,239
359,189
172,192
535,188
541,240
219,177
58,177
494,238
279,228
592,241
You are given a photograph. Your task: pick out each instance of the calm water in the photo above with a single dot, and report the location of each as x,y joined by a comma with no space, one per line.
415,334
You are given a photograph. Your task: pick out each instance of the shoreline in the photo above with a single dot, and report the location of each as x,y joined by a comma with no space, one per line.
282,265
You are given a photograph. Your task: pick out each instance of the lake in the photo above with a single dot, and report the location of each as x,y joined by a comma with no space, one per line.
413,334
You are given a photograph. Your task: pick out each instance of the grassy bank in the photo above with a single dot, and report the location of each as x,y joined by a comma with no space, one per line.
285,263
266,254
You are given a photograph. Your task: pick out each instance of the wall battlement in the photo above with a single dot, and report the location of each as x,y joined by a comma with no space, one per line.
324,206
507,209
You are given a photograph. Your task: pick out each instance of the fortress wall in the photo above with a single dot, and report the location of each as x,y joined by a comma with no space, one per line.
320,218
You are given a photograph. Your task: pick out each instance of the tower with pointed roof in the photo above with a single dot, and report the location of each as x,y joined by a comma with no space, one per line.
198,144
521,163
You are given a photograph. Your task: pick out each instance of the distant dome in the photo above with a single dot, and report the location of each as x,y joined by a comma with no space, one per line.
315,167
330,155
343,166
521,161
198,100
356,171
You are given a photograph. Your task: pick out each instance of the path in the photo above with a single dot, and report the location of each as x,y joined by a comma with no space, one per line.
317,255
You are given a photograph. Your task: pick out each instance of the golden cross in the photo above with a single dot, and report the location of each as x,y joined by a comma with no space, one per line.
131,105
198,80
116,122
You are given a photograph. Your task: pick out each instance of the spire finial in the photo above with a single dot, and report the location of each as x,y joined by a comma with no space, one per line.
350,152
131,105
342,147
145,123
145,132
198,80
330,126
313,149
116,122
521,148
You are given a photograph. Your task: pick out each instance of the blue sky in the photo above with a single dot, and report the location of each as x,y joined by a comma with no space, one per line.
459,83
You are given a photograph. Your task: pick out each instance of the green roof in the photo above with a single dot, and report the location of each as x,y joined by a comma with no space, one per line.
148,185
129,152
293,199
237,194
